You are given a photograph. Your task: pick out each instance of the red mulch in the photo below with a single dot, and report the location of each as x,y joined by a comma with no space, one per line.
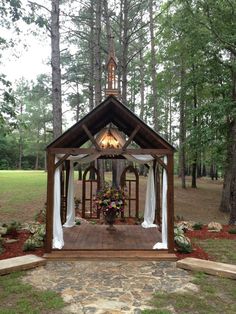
204,234
15,249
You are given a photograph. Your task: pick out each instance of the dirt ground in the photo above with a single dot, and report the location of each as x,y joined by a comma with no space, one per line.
199,204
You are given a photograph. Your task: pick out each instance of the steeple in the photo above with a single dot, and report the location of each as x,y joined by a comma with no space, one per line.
111,87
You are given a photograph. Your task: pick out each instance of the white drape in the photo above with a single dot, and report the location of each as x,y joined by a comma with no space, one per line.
150,201
163,244
70,215
57,242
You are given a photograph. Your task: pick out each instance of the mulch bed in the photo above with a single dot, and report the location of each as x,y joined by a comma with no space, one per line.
16,248
204,234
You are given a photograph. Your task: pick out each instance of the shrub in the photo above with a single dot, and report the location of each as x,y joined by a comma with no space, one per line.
29,245
183,243
232,231
197,226
1,245
37,238
12,228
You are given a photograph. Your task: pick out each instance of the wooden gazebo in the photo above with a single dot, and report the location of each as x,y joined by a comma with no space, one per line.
147,142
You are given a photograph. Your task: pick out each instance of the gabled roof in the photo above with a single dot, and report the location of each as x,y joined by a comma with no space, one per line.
111,110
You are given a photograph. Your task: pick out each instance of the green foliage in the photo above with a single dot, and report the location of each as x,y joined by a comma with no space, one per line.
183,243
36,240
12,228
232,231
198,226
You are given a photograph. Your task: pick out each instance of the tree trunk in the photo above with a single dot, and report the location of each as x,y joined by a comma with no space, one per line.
56,71
154,98
182,129
125,45
97,54
142,87
98,75
91,57
194,164
228,200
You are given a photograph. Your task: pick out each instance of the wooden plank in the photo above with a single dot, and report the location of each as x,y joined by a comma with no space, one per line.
126,237
135,131
92,139
208,267
170,202
111,255
132,151
19,263
61,160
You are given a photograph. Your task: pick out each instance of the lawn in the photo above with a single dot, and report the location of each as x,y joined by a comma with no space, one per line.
216,295
23,193
21,298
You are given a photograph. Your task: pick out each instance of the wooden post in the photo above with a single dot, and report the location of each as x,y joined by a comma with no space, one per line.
50,199
170,203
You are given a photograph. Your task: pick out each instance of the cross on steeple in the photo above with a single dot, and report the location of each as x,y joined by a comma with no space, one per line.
111,88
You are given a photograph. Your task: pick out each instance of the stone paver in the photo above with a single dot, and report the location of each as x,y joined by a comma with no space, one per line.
111,287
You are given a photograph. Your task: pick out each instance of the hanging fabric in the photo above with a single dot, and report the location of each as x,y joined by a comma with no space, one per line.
163,244
150,201
57,242
70,215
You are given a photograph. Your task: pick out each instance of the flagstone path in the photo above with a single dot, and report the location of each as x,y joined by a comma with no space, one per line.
112,287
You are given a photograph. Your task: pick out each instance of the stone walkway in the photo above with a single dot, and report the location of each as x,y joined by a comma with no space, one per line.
111,287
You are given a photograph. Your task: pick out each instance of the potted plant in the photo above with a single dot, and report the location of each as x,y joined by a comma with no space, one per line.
111,202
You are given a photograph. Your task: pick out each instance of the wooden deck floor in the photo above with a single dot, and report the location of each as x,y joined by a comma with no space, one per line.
97,237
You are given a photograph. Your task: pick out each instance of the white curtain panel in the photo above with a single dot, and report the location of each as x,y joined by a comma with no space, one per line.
163,244
57,242
70,214
150,201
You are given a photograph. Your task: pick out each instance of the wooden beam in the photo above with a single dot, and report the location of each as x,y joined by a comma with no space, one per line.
50,197
92,139
61,160
133,151
170,203
160,161
135,131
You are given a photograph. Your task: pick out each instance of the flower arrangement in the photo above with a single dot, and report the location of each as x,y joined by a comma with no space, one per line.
110,199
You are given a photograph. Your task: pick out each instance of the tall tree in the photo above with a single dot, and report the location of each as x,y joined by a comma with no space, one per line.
154,98
56,69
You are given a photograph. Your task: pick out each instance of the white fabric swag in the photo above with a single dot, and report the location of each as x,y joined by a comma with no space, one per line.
163,244
150,201
57,242
70,215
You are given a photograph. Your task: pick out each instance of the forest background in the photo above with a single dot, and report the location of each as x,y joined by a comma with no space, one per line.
176,71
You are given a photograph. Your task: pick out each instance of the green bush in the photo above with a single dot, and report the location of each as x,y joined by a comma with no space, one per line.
183,243
29,245
198,226
232,231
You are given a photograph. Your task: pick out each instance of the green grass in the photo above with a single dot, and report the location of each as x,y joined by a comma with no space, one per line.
17,297
216,295
221,250
20,189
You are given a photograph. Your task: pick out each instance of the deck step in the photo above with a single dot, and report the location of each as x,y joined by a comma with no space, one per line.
19,263
208,267
109,255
